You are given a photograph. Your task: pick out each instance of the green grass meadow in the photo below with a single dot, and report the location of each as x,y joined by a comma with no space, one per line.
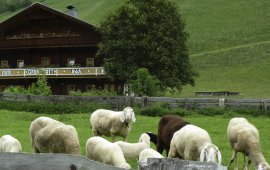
17,124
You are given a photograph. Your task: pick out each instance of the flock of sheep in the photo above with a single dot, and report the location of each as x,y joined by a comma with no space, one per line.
178,137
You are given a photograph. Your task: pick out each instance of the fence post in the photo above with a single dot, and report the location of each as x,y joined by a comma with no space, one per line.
144,101
264,105
221,102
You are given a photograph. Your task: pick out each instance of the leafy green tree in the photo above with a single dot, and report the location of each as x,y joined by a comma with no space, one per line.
145,84
41,87
146,34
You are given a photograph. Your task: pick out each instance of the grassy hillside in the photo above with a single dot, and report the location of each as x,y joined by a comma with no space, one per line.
229,41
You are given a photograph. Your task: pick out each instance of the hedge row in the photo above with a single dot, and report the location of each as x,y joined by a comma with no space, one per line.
154,110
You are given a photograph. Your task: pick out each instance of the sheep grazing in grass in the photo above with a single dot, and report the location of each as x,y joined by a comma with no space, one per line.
10,144
132,150
168,124
51,136
149,153
244,137
101,150
194,143
112,123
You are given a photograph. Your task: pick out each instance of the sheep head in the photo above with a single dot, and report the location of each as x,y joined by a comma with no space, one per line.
128,115
211,153
145,139
263,166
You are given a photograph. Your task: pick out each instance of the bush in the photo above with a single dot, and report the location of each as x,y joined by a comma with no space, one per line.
39,88
16,90
145,84
94,92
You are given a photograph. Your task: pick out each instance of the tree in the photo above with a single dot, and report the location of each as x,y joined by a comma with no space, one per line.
146,34
145,84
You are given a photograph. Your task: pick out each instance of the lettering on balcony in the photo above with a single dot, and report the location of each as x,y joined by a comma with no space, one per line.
76,71
50,71
6,72
31,71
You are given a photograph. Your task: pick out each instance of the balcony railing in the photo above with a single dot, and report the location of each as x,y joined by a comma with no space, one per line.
53,72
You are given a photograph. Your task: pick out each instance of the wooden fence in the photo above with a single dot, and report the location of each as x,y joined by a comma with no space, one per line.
119,102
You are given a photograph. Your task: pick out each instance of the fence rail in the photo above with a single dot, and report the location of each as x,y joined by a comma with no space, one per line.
122,101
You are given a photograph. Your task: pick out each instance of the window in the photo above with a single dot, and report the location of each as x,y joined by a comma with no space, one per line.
45,61
70,88
71,61
20,63
90,62
4,64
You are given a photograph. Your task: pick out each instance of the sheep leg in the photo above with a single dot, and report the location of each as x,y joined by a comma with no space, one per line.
233,159
95,132
172,152
244,166
249,162
113,137
160,148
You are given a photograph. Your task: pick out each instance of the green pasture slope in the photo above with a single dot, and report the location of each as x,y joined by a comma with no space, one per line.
228,44
17,124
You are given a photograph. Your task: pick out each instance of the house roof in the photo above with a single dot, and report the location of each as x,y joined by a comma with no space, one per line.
21,16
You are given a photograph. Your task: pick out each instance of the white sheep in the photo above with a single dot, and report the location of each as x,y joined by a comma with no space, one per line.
10,144
149,153
132,150
194,143
244,137
51,136
112,123
101,150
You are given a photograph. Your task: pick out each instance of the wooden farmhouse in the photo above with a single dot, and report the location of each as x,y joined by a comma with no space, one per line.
63,46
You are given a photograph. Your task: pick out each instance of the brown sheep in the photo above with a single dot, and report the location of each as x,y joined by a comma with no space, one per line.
168,124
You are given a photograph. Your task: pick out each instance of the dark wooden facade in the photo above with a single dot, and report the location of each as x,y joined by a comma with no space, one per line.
40,37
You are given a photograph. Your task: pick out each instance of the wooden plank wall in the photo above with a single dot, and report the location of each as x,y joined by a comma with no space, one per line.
119,102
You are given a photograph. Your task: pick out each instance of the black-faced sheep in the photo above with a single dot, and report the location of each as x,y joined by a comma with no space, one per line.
168,124
10,144
194,143
51,136
101,150
132,150
149,153
244,137
112,123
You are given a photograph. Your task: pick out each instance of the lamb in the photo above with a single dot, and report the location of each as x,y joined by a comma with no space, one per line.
112,123
101,150
149,153
168,124
244,137
132,150
10,144
194,143
51,136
